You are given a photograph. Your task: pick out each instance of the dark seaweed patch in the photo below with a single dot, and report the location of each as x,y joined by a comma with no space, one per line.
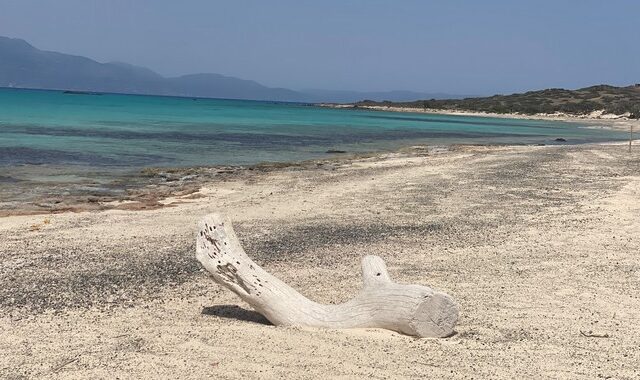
5,179
31,156
260,140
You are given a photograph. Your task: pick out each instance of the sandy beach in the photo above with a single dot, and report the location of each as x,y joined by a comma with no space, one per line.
539,245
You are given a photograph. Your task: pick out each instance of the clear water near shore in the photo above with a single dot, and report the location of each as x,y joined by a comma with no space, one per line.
83,132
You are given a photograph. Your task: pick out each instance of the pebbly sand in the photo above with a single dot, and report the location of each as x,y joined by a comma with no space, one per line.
539,245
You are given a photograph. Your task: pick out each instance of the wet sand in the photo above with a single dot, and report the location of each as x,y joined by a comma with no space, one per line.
51,190
539,245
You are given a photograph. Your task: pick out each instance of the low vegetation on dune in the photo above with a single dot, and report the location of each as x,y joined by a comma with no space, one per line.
610,99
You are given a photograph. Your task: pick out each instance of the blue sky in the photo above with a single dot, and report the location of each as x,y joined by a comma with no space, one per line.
456,47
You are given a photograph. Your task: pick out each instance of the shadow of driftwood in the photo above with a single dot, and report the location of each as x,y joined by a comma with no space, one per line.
235,312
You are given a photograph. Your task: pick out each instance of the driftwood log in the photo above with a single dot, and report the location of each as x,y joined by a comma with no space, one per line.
409,309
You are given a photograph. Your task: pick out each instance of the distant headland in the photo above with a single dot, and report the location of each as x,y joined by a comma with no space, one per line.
596,102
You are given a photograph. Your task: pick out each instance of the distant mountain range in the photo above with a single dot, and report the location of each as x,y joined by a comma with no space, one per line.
338,96
24,66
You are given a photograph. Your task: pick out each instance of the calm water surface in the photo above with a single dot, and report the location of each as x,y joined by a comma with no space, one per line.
83,132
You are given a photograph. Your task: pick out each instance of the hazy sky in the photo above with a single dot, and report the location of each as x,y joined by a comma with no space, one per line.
457,47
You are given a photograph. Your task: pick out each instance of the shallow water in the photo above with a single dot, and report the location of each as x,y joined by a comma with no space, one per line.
130,131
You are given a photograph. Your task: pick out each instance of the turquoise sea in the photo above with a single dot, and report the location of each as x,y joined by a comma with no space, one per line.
129,132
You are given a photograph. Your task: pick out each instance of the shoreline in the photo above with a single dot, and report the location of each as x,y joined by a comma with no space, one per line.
119,293
159,187
616,122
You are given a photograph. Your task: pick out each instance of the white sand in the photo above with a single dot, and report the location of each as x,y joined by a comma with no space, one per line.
539,245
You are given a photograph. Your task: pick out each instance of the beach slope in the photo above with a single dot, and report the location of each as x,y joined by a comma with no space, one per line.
539,245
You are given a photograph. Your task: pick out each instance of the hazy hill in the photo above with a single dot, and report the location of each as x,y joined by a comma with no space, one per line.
220,86
614,100
22,65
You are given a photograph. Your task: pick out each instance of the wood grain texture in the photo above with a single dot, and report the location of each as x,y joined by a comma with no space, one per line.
409,309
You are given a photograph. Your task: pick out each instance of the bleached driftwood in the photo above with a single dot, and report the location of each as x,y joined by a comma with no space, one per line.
410,309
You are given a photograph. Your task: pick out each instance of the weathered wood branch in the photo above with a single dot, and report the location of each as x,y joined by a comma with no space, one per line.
409,309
